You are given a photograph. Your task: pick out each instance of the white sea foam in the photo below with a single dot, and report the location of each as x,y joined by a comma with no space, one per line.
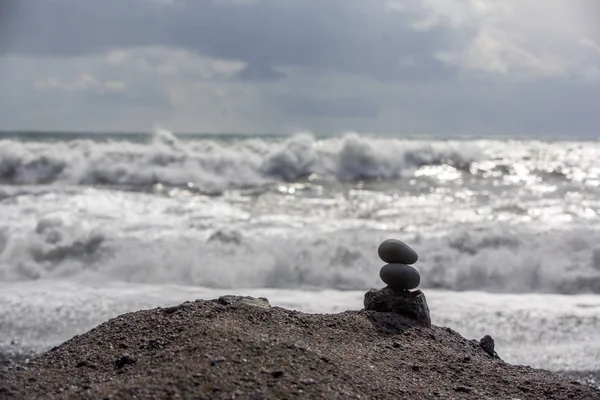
169,161
217,163
484,215
227,242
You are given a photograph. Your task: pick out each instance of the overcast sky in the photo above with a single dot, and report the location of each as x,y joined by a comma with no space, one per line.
475,67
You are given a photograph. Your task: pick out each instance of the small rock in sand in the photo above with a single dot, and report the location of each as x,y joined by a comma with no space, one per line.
409,304
124,360
488,345
251,301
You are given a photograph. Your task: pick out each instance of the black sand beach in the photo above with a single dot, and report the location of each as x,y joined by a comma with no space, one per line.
205,349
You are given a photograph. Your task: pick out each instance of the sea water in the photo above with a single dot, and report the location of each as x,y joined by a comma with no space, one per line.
507,231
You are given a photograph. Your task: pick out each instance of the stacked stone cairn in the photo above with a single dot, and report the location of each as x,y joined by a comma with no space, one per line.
397,273
400,279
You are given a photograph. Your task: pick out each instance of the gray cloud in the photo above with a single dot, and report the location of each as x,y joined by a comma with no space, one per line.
348,35
389,39
278,65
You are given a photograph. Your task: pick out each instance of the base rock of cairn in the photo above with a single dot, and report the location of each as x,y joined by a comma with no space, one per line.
409,304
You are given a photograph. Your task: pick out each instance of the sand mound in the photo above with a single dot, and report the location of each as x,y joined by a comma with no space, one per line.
226,350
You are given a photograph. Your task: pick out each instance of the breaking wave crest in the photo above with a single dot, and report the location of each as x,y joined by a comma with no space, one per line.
499,216
504,260
220,164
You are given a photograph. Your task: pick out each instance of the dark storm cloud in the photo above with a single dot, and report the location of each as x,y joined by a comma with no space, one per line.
474,67
347,35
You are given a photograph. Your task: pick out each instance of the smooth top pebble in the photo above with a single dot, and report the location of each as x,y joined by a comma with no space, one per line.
394,251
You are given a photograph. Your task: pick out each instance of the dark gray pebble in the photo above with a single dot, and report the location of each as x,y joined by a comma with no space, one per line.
400,276
394,251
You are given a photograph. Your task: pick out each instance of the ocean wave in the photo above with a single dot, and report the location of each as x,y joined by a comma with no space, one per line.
497,259
502,223
169,161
